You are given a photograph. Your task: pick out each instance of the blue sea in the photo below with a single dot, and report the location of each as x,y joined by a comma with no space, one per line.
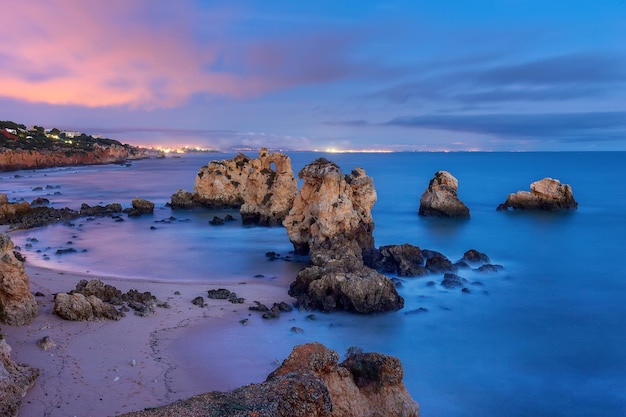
544,337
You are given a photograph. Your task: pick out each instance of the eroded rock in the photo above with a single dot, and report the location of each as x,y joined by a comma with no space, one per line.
15,380
440,198
547,194
17,305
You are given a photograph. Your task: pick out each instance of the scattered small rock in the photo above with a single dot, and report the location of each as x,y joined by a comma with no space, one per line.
46,343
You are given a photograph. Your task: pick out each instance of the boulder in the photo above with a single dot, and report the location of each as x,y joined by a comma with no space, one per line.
17,305
15,380
263,188
405,260
473,256
440,198
77,307
547,194
311,383
10,211
141,206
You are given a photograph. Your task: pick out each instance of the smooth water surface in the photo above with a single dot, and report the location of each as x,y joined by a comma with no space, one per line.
545,337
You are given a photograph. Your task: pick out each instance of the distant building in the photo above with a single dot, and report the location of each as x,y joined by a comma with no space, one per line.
11,131
70,134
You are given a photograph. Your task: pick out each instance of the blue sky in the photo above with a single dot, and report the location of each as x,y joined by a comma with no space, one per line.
400,75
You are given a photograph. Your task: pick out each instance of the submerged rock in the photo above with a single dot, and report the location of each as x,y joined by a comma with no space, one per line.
311,382
440,198
547,194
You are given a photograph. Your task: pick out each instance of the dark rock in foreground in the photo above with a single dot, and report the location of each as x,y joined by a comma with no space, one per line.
547,194
310,382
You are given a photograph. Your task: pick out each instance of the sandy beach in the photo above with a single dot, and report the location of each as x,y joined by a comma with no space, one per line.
106,368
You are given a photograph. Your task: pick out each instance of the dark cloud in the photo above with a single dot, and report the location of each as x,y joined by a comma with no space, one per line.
560,126
563,77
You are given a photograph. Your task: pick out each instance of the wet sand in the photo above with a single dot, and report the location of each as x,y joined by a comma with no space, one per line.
106,368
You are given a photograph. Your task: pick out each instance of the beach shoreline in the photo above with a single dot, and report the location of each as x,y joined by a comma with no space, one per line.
106,368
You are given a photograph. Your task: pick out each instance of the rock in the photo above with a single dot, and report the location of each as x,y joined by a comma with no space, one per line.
198,301
216,221
77,307
439,263
331,204
141,206
451,280
473,256
263,188
311,382
405,260
490,268
440,198
46,343
331,219
9,212
17,305
15,380
40,201
97,288
547,194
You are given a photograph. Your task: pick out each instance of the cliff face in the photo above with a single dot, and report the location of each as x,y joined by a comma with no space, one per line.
11,160
17,304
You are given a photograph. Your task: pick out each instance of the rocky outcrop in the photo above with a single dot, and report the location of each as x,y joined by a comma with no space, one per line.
263,188
331,204
17,305
140,206
440,198
331,218
405,260
11,211
13,159
15,380
547,194
311,382
93,300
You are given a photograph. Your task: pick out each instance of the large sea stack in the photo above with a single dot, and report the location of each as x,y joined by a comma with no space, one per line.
17,305
331,218
547,194
310,383
440,198
263,188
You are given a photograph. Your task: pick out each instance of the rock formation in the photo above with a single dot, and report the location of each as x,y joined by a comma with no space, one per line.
311,382
440,198
17,305
546,194
405,260
331,218
15,380
11,211
93,300
140,206
263,188
13,159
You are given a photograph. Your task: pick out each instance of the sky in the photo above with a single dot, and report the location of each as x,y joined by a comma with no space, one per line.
402,75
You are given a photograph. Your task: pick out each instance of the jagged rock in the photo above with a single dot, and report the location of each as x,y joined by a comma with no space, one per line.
11,211
263,188
40,201
311,382
77,307
17,305
15,380
490,268
440,198
439,263
331,204
546,194
331,218
97,288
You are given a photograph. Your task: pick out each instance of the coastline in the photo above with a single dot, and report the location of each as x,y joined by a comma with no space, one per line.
105,368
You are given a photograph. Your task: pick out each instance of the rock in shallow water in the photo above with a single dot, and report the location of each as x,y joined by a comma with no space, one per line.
547,194
440,198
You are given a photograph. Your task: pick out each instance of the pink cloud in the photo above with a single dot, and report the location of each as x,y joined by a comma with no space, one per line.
143,54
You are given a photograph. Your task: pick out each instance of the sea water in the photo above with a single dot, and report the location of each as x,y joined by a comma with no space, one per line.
544,337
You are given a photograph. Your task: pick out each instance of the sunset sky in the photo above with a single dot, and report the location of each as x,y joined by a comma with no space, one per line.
313,74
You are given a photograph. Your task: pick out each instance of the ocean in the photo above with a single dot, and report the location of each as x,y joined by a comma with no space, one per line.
544,337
